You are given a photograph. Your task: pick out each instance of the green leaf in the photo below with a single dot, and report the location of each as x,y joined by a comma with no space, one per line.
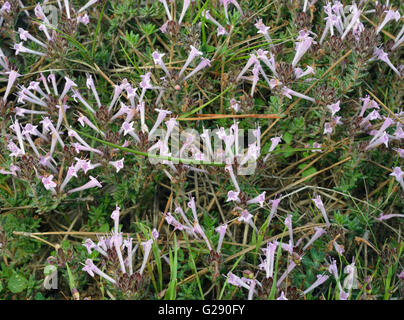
39,296
17,283
287,137
65,245
308,172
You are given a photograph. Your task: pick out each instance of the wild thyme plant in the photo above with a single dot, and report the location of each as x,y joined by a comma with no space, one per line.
246,149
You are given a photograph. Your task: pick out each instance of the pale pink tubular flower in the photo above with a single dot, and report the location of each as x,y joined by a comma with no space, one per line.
68,85
383,56
74,134
320,280
319,204
4,61
198,230
90,85
229,168
274,142
123,110
117,92
221,230
390,15
291,266
338,248
319,232
88,4
282,296
270,62
85,165
233,196
258,199
334,108
246,217
191,204
12,76
84,121
71,172
78,148
158,59
25,35
203,64
184,10
331,19
155,234
263,29
255,78
116,241
288,223
17,129
327,128
371,116
234,105
15,151
127,128
398,174
48,183
13,170
220,29
6,7
269,252
225,4
399,39
236,281
400,152
274,208
351,282
251,61
128,244
40,14
355,15
117,164
251,290
182,213
302,45
29,130
52,78
34,85
164,2
91,268
236,4
67,7
383,216
91,184
289,92
192,55
18,47
84,19
160,118
77,95
299,73
115,218
332,269
383,139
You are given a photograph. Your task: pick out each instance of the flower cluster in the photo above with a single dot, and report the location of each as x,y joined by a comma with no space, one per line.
118,254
